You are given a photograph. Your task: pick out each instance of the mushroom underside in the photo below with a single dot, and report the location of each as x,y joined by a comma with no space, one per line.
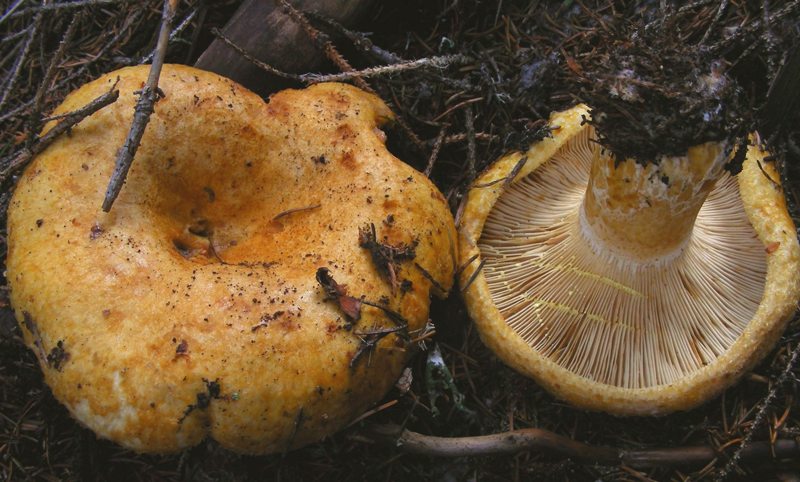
610,320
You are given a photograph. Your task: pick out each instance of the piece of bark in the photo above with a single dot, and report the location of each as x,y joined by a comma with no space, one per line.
263,29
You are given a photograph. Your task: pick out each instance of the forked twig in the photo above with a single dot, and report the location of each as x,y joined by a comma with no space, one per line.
145,107
67,122
174,33
322,40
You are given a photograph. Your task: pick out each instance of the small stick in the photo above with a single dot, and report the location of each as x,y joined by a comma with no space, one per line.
430,278
12,37
470,126
359,39
693,5
489,184
754,26
723,5
394,316
380,331
509,178
473,276
69,120
298,420
201,11
369,413
295,210
180,28
11,10
502,443
538,439
15,111
466,263
761,414
437,146
438,62
145,107
14,75
479,136
63,6
774,182
36,113
261,65
323,41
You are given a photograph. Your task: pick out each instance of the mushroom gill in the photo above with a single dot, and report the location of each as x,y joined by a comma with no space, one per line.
629,288
615,320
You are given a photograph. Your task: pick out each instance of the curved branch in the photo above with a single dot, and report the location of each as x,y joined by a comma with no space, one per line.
539,439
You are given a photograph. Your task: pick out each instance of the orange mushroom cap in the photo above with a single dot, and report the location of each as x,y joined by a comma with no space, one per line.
193,308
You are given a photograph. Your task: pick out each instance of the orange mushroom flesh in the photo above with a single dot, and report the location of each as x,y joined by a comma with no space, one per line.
623,287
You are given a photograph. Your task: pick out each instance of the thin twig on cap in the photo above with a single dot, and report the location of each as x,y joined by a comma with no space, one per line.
67,122
295,210
145,107
473,276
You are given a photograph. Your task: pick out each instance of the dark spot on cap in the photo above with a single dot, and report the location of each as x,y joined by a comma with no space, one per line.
95,232
57,356
182,348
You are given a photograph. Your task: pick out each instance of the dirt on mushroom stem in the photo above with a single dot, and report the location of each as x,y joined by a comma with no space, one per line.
654,94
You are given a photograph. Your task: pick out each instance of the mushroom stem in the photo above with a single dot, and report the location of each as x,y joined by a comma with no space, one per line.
647,212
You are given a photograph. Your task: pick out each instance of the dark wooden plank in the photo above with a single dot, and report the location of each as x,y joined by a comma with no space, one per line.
263,29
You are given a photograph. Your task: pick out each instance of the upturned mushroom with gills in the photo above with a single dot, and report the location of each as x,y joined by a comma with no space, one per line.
628,287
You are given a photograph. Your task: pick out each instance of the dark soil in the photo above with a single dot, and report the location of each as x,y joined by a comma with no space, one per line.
681,73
